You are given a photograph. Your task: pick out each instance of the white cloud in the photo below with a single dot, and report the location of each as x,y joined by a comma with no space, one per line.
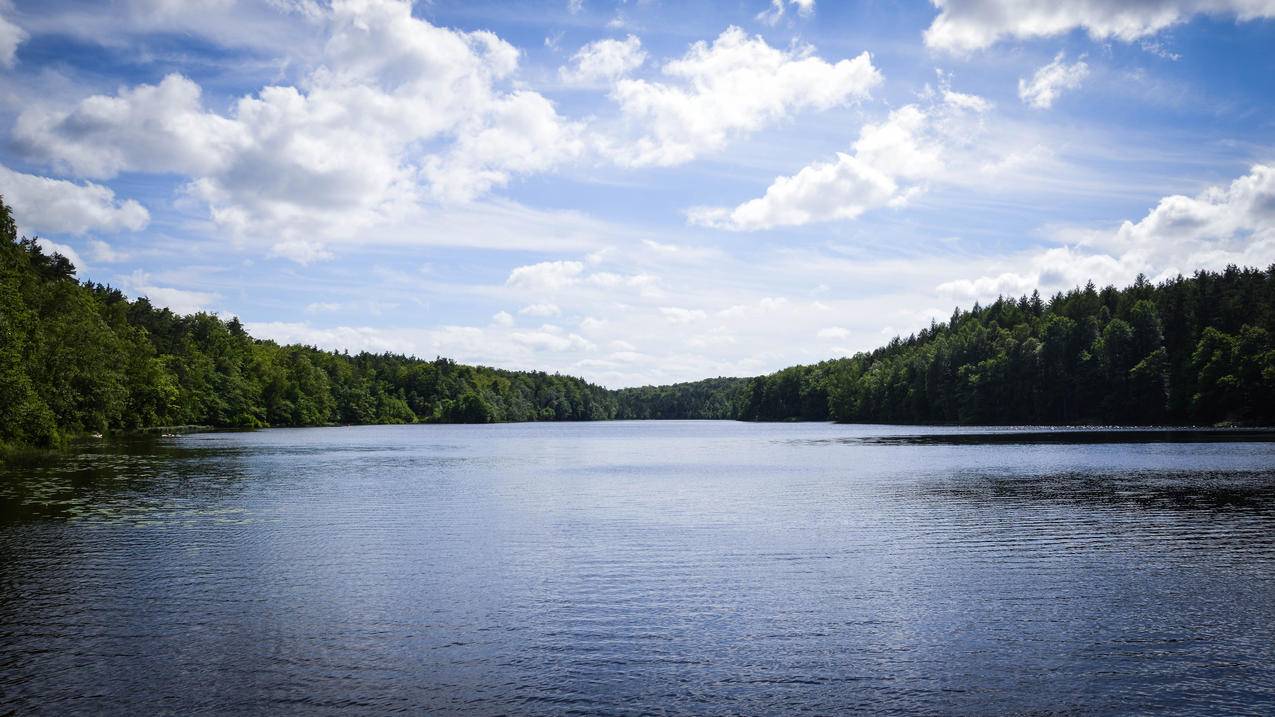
57,206
890,161
495,345
357,338
545,276
612,280
775,13
318,307
394,112
833,333
1223,225
523,134
1049,81
552,277
737,85
180,301
548,340
974,103
105,253
540,310
10,37
823,191
985,287
1159,50
604,60
502,318
679,315
147,128
729,321
301,251
965,25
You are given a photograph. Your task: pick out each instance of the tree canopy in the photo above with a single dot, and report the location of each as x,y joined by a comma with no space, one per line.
1189,350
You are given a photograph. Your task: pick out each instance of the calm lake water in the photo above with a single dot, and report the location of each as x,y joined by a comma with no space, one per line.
643,568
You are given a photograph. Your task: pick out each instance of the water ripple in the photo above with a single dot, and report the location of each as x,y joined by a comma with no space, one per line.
631,569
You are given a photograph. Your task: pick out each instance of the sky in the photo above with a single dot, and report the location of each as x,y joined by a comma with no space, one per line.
640,191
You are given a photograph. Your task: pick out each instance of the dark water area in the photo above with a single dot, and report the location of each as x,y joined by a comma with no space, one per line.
1074,436
643,568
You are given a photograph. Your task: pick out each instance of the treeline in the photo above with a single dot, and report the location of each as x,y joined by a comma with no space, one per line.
1194,350
711,398
79,357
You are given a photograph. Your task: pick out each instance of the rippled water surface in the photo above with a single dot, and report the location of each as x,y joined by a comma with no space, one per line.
643,568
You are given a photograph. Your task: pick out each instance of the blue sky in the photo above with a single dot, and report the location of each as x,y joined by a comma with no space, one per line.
634,192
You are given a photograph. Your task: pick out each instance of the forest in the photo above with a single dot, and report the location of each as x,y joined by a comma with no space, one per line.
1190,350
80,357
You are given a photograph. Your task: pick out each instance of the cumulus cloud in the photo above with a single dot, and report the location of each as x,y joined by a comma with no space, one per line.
890,162
341,152
1233,224
57,206
822,191
148,128
546,275
736,85
523,134
395,117
965,25
1049,81
604,60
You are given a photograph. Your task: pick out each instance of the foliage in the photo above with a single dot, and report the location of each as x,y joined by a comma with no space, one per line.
1194,350
78,358
712,398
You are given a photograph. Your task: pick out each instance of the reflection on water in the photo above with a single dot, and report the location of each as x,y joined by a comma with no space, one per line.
632,568
1251,492
1066,436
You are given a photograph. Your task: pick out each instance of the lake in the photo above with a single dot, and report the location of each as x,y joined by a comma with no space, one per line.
643,568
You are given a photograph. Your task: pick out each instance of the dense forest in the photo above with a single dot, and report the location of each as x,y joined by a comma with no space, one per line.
711,398
1194,350
79,357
